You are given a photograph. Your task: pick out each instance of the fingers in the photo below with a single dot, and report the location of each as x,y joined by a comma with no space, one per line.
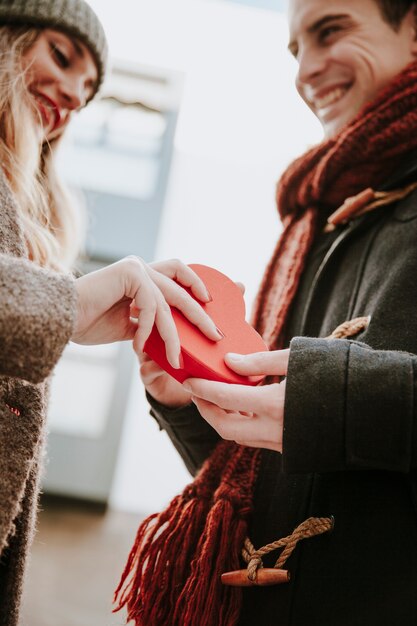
176,296
168,331
242,398
226,425
259,363
153,292
150,371
253,431
160,315
151,308
146,302
184,275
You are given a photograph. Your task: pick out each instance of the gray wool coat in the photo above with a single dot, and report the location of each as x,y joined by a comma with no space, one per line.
37,312
350,433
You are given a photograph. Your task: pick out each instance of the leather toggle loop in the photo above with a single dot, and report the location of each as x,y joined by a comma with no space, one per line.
364,202
351,207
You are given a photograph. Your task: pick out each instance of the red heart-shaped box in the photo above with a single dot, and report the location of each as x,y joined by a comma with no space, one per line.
202,357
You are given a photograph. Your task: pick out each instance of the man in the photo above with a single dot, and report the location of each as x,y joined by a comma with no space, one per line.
336,439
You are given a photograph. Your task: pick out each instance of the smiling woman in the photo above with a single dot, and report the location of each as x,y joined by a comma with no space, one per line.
62,76
45,75
52,61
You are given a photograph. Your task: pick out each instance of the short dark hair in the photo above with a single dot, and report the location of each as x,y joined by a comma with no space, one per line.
394,11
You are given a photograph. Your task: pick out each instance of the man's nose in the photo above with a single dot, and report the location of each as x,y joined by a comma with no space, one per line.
311,63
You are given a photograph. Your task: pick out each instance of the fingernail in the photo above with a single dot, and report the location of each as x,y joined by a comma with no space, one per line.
209,296
220,333
234,357
181,361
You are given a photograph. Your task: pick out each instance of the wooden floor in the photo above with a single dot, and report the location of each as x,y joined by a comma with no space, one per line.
77,558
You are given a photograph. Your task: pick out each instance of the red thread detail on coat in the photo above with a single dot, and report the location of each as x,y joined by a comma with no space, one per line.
13,410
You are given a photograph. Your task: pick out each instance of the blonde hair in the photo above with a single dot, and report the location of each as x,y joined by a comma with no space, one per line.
51,223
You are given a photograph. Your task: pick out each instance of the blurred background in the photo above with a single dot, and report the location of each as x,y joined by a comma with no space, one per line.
179,158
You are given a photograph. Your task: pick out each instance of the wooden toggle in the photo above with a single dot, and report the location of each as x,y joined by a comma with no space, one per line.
264,577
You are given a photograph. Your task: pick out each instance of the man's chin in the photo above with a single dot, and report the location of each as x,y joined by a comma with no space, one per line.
331,128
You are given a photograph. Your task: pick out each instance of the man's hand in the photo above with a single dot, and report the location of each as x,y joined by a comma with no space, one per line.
163,387
251,416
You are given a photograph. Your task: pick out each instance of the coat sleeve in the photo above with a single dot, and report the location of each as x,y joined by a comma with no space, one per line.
37,314
349,407
192,436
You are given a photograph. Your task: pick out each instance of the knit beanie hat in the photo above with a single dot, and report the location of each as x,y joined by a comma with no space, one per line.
74,17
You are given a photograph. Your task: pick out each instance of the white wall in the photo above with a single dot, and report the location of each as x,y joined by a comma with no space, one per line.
240,124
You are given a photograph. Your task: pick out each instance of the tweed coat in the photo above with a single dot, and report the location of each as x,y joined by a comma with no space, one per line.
37,312
350,436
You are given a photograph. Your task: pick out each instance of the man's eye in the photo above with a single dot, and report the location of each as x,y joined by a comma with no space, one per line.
60,56
327,32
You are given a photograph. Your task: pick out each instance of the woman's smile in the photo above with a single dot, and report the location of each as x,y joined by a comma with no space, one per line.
49,110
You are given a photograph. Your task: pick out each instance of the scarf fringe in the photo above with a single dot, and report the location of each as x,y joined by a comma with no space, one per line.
204,600
172,576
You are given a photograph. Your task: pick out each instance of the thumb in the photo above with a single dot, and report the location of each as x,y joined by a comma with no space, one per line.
259,363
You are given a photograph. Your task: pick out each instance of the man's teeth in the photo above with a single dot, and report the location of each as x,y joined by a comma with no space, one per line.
330,98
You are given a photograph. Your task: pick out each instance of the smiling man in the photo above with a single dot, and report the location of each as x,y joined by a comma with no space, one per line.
333,445
347,52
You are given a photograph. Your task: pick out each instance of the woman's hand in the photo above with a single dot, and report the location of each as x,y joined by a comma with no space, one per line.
161,386
109,300
251,416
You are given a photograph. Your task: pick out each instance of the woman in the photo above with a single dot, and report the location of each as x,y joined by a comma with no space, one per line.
52,62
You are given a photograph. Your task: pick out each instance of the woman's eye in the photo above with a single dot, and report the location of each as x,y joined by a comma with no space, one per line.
60,56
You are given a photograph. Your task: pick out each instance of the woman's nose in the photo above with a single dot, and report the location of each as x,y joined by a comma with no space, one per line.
73,93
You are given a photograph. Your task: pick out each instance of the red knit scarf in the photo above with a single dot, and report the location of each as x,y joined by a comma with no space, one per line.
172,577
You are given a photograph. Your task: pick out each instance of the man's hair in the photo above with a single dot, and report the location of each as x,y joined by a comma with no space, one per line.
394,11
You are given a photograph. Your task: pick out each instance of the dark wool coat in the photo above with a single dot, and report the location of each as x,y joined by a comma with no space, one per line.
350,440
37,312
